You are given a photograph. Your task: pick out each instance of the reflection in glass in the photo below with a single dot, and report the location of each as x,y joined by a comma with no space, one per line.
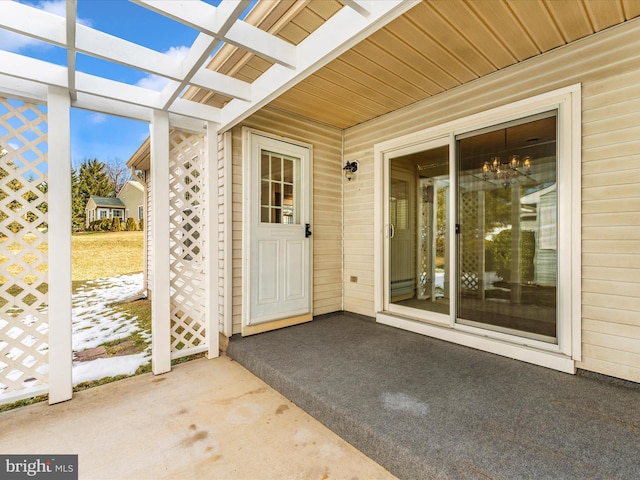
264,192
288,171
264,166
417,231
278,189
276,200
276,169
507,246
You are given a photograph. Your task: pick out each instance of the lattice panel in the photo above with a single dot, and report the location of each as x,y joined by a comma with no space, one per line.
186,204
23,246
469,274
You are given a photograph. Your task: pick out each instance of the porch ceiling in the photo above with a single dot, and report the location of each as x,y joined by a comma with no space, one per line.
439,45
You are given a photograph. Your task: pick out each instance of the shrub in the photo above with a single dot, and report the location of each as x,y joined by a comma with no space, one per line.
142,224
132,225
500,255
115,224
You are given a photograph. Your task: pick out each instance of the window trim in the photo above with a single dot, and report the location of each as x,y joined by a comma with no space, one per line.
567,102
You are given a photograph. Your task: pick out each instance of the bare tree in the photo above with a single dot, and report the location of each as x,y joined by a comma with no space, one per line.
117,173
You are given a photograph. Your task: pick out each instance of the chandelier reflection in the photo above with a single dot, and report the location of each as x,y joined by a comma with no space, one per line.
508,171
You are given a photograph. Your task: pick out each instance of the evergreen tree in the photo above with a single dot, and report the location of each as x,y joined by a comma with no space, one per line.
90,179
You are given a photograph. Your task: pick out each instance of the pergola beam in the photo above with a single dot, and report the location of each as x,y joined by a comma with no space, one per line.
207,19
33,22
189,108
199,52
108,47
223,84
71,48
32,69
104,87
360,6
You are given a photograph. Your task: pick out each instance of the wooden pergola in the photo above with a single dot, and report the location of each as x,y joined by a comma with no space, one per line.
62,87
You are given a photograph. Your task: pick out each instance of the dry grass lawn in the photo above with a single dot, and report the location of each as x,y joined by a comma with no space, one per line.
105,254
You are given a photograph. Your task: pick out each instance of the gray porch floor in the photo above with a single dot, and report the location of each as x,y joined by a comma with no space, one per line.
425,408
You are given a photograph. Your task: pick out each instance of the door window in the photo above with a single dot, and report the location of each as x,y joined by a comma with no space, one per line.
278,189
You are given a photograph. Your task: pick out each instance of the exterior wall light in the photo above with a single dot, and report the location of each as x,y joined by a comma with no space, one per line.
350,169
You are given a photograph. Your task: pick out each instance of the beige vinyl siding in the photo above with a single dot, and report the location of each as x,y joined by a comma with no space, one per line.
606,65
327,205
132,197
611,224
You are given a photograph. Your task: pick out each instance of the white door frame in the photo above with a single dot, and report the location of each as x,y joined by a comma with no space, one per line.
248,197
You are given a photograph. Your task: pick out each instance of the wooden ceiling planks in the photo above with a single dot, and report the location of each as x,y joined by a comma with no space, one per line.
424,54
631,9
407,71
509,31
436,46
604,13
439,28
468,25
538,22
572,18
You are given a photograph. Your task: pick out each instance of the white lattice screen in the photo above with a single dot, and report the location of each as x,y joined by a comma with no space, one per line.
186,231
23,247
469,274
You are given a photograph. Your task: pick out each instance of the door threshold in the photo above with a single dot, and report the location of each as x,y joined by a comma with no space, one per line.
274,325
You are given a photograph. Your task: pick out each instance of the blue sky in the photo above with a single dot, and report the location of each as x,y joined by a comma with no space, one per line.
96,135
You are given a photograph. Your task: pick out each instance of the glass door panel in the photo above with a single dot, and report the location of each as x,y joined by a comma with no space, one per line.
417,231
278,189
507,242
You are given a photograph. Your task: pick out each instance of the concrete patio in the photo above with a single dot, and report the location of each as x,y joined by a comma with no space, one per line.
207,419
424,408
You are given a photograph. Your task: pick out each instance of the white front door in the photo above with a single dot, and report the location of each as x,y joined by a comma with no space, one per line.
279,207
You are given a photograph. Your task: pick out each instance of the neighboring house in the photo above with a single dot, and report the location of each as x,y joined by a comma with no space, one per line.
103,207
132,196
128,203
446,116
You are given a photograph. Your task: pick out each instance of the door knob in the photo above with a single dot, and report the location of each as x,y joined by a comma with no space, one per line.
307,230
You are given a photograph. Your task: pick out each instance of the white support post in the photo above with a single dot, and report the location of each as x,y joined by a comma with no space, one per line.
161,289
211,266
227,242
59,238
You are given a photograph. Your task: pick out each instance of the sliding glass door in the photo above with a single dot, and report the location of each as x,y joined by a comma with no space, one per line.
501,230
417,236
507,203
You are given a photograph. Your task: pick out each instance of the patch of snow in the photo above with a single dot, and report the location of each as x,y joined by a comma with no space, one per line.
94,321
108,367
